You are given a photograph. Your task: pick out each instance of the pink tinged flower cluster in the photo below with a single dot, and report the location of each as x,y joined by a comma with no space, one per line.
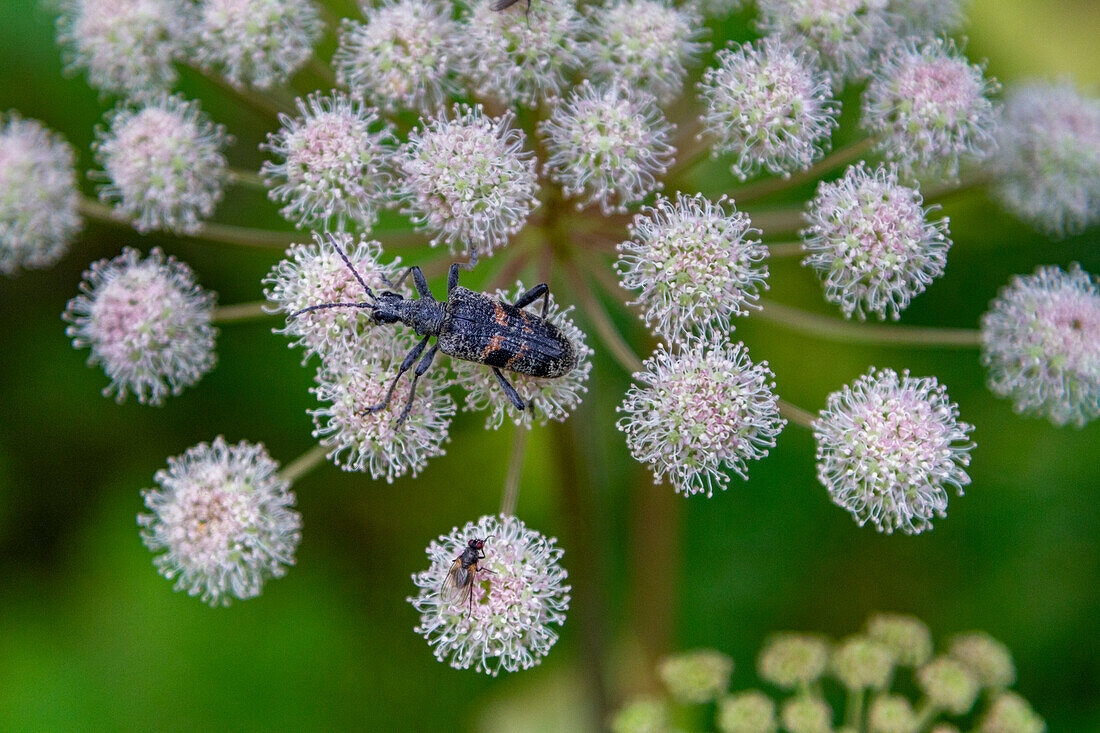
694,265
126,47
163,162
373,442
930,107
222,521
845,33
255,43
312,274
544,399
768,104
888,445
694,414
645,45
1048,157
871,243
38,196
334,161
468,179
925,18
147,324
1041,345
520,55
607,144
519,594
406,55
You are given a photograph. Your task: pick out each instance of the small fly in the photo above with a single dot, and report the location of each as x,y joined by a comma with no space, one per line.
459,583
499,5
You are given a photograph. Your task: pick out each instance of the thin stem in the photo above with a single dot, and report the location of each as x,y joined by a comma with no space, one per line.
614,341
249,179
515,467
976,179
264,103
784,249
924,714
835,159
834,329
208,231
321,69
303,464
241,312
853,711
778,221
796,414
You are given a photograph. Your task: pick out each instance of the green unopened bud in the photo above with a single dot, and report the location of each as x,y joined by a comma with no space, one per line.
807,714
747,712
908,636
790,660
641,715
987,658
860,662
891,714
949,685
696,676
1010,713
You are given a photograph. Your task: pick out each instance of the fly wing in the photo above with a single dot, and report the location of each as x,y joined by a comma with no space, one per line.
457,582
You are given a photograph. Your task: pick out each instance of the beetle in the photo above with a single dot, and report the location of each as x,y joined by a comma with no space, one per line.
468,325
459,582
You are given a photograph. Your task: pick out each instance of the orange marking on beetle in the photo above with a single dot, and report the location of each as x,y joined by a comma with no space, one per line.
495,344
499,315
522,348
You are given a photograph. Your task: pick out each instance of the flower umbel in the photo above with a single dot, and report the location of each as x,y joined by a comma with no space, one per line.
793,661
146,322
38,196
870,242
699,412
1041,345
695,265
888,445
224,519
334,168
696,676
164,164
518,594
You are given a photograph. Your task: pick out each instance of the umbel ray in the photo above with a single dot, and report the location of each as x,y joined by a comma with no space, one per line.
467,325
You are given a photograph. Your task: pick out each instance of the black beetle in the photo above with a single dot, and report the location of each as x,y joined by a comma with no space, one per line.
468,325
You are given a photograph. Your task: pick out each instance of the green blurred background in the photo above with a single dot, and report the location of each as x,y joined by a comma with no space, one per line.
92,638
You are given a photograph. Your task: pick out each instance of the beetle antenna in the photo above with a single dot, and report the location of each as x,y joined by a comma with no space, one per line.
295,314
344,257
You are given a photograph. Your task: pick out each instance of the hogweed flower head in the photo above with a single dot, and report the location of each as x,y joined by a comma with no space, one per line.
746,712
930,107
908,636
468,179
1041,345
871,243
609,144
696,676
256,43
644,45
806,714
641,714
125,46
224,519
146,322
891,714
315,273
989,660
695,266
845,33
543,399
334,167
1048,157
518,593
374,442
38,196
768,104
700,412
888,445
522,55
925,18
407,55
948,685
1010,713
860,662
163,162
792,661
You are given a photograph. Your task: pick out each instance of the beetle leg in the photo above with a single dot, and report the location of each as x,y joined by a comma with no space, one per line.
411,357
419,281
541,290
425,362
508,389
